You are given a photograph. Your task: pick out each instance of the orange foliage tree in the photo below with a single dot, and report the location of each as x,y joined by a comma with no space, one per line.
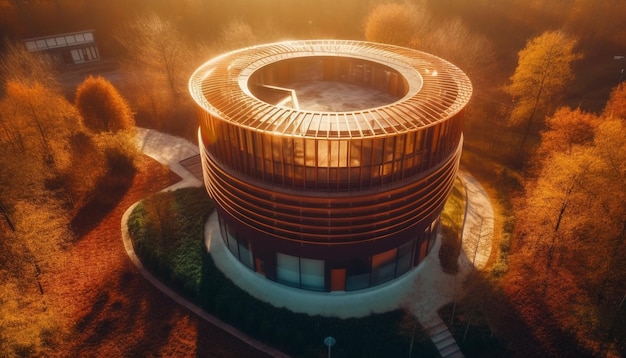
19,64
616,105
543,71
394,23
102,107
570,238
35,122
566,129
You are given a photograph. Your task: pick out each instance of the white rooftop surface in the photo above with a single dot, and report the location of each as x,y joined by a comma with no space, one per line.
325,96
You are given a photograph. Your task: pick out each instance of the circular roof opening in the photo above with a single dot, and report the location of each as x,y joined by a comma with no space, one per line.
327,84
265,88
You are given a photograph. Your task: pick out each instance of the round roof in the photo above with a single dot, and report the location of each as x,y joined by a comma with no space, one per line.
436,91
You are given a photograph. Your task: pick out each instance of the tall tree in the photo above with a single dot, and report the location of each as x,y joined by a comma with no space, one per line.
159,61
40,121
571,225
237,34
19,64
102,107
35,122
88,166
616,105
395,24
455,42
543,72
565,129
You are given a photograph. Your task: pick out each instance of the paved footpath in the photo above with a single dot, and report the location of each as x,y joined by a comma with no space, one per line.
423,290
438,288
169,150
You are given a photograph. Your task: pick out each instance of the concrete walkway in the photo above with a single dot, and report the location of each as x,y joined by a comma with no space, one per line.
437,288
170,151
422,291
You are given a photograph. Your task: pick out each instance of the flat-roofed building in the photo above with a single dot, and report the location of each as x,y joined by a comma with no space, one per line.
329,161
70,48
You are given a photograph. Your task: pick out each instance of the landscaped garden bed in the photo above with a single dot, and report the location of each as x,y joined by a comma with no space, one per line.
167,231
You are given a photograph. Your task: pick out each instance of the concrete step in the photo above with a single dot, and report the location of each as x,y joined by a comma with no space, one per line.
444,343
434,330
443,335
457,354
448,351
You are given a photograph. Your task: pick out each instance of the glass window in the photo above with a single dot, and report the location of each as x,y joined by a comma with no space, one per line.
309,152
76,56
384,266
357,282
423,248
245,255
334,155
31,45
409,147
298,151
323,159
419,140
249,135
404,257
287,269
94,52
355,153
223,230
358,274
312,274
232,244
389,149
399,147
343,153
377,151
366,152
434,228
276,149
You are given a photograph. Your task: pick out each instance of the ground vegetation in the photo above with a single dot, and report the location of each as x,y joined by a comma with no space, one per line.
572,238
543,72
182,260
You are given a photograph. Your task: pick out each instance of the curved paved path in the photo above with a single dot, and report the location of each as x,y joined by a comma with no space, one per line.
423,291
170,150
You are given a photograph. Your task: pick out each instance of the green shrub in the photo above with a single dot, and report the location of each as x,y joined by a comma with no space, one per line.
452,226
183,262
505,243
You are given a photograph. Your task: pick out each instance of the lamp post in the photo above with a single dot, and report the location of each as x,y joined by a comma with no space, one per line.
329,342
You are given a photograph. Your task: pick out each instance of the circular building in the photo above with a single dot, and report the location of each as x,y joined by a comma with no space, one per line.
329,161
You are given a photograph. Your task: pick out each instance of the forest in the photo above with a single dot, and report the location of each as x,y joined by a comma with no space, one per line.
544,133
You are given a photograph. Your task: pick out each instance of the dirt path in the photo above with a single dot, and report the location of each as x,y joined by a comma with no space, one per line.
109,310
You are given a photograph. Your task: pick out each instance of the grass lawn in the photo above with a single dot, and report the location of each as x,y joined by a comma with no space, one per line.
167,232
452,227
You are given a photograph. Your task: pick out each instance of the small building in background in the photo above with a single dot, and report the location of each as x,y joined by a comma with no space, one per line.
67,49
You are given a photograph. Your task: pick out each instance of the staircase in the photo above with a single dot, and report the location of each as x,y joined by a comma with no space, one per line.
442,338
